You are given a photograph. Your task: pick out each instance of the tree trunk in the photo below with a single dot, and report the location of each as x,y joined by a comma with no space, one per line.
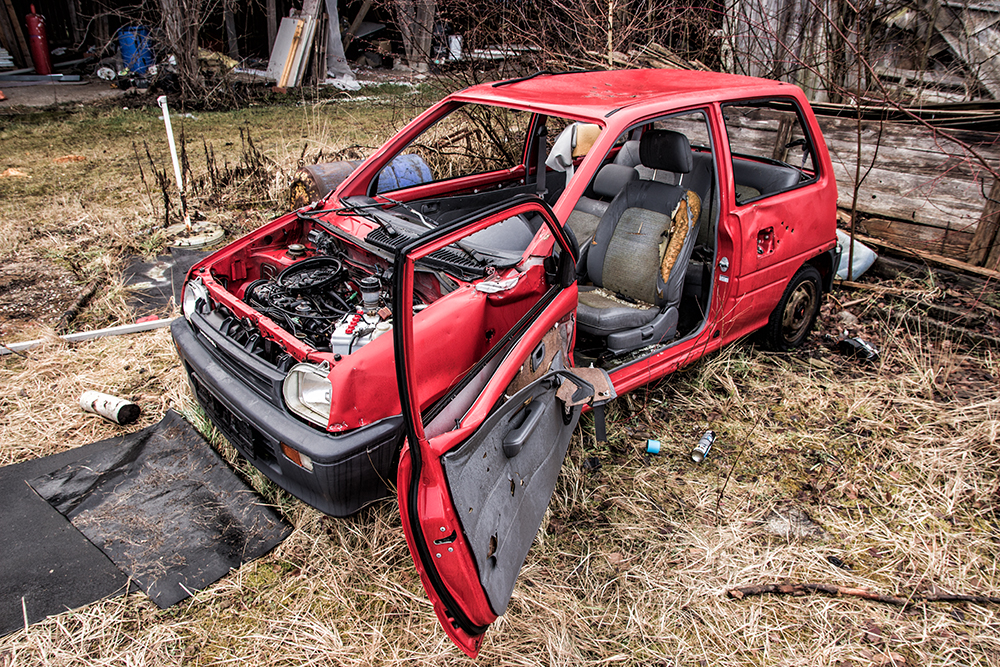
272,24
230,21
181,23
416,22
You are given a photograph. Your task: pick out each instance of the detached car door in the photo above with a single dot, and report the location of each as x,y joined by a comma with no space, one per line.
480,462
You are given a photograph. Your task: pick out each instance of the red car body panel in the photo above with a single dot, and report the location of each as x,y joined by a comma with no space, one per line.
436,514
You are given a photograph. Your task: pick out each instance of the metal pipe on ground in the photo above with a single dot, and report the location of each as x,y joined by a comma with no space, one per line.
136,327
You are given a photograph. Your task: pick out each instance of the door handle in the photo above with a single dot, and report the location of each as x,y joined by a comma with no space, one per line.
516,437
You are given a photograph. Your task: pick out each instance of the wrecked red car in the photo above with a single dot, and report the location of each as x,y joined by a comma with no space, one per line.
521,251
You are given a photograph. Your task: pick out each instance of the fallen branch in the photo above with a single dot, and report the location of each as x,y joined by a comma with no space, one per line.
85,296
832,589
879,289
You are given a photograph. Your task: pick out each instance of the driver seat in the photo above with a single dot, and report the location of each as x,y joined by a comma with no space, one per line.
639,255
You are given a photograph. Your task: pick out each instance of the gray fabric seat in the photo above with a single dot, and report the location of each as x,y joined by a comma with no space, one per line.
610,180
757,178
700,180
628,156
638,257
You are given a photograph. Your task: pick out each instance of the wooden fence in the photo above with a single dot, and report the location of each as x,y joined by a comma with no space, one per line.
918,188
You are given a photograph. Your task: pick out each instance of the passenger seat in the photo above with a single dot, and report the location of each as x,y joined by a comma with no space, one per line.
610,180
628,156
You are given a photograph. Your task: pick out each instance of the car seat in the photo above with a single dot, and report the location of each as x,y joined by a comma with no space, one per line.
587,213
638,257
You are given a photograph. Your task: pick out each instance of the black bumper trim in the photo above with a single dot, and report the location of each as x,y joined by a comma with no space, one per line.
349,470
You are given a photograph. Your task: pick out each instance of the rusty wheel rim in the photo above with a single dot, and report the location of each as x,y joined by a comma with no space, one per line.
799,311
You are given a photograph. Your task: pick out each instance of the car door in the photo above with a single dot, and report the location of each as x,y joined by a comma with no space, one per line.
480,463
779,190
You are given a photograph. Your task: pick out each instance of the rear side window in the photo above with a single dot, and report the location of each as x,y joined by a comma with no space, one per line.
691,125
771,150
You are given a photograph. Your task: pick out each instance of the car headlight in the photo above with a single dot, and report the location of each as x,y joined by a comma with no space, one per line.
194,291
308,392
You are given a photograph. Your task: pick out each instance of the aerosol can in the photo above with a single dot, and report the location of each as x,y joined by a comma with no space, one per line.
703,447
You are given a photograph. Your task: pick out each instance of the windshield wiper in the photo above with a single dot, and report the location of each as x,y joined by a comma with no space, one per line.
412,210
474,255
366,211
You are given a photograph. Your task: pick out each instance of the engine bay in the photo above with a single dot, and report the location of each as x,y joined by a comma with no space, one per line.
321,301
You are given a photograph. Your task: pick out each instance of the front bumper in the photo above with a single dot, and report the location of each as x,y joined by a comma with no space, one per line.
350,470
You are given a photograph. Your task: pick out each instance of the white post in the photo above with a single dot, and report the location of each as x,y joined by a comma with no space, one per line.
162,101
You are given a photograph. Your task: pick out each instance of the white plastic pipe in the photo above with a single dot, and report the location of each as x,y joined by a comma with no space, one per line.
89,335
162,101
114,409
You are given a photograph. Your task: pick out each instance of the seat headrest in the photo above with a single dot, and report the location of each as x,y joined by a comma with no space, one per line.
612,179
666,150
628,154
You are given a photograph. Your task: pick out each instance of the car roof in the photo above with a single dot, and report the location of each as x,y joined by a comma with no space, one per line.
594,95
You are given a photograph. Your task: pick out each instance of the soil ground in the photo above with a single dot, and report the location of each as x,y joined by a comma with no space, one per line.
64,93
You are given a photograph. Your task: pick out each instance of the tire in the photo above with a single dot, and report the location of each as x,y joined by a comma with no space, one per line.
794,316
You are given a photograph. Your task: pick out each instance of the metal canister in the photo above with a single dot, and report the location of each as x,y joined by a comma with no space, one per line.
703,447
112,408
38,42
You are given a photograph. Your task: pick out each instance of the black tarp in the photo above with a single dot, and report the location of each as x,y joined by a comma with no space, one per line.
155,286
165,508
46,565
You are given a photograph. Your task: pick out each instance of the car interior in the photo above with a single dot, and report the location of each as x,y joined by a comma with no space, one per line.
646,228
646,224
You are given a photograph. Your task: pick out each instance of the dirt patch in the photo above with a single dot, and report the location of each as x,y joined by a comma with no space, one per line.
34,290
53,94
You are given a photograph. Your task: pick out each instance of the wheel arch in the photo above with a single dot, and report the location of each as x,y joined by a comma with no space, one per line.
826,263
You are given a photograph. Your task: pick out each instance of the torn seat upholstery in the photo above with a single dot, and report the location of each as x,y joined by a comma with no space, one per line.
638,257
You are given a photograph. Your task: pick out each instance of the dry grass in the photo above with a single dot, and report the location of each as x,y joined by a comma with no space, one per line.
90,216
897,463
635,555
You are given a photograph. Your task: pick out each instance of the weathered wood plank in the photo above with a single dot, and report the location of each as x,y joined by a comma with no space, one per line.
935,202
986,230
923,147
919,237
932,258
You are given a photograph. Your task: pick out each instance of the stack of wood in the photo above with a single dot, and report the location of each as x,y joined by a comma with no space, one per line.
920,188
303,37
292,46
12,37
651,56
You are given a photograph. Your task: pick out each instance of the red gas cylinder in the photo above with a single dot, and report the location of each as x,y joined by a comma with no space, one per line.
38,42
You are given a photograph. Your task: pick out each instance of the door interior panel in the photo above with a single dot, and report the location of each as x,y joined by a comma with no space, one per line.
501,480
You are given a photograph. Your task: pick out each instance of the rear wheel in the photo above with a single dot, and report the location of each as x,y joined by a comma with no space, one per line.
794,317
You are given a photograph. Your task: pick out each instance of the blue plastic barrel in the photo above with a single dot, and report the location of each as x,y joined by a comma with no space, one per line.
403,172
137,54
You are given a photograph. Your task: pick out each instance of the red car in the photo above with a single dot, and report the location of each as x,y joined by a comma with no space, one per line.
521,251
